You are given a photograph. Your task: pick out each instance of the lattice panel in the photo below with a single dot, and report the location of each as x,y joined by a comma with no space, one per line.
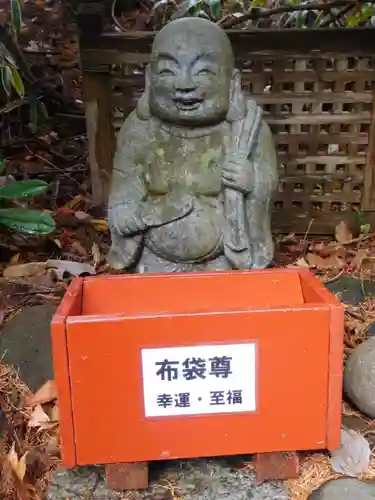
319,110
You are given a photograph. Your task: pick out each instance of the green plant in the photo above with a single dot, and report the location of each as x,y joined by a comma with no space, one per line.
23,219
10,77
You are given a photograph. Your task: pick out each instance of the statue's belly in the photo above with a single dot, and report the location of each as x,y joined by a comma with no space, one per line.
191,239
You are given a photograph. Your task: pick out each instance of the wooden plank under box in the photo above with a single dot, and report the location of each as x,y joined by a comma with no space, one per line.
155,367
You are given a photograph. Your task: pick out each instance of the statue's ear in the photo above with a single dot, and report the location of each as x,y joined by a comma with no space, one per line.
237,99
143,106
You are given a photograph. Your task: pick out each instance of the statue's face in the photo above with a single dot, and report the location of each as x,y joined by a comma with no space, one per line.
189,82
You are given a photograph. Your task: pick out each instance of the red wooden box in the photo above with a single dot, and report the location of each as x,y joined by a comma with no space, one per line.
153,367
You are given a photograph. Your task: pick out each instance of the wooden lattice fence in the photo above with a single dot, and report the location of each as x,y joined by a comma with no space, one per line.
316,88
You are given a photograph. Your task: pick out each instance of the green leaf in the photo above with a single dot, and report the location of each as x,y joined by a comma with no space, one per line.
14,104
23,189
16,81
185,8
27,221
2,164
6,78
215,7
258,3
15,16
365,228
42,111
352,21
38,113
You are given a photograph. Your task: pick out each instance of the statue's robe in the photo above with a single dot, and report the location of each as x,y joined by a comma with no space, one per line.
162,171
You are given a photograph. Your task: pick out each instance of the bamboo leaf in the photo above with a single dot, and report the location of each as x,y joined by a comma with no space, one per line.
16,81
6,78
185,7
23,189
215,7
14,104
27,221
15,16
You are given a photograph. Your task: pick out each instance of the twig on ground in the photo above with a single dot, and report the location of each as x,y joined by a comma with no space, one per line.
330,280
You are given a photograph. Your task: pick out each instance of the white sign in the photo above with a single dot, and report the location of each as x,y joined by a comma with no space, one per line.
199,379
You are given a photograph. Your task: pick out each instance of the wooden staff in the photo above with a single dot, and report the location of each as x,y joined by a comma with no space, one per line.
237,243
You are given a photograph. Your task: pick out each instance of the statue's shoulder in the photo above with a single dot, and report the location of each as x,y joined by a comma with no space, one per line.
133,130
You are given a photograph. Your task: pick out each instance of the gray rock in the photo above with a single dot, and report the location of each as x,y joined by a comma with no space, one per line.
359,377
370,332
74,484
25,342
192,480
349,290
344,489
185,194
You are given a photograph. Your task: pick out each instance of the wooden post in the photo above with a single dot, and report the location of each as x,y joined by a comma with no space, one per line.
97,98
97,95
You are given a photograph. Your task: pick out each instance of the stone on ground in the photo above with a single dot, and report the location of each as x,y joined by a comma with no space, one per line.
345,489
359,377
192,480
351,290
25,342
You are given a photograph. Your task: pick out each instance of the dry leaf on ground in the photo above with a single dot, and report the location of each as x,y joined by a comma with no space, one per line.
100,225
24,270
38,417
17,465
342,233
331,262
55,414
45,394
359,257
71,267
301,262
353,457
96,254
82,215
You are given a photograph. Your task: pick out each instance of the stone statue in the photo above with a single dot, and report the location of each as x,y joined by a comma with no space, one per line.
195,165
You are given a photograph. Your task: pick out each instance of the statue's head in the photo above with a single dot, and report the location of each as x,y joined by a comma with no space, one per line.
191,80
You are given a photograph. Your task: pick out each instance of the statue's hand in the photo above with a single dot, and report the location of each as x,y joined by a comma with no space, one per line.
237,171
123,222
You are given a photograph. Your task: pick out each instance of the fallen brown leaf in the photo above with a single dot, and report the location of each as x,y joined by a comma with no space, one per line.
359,257
321,249
301,262
342,233
73,268
96,254
38,417
79,249
45,394
15,259
24,270
55,413
82,215
74,203
100,225
53,445
331,262
17,465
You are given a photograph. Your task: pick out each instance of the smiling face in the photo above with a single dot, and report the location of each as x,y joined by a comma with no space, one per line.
191,73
